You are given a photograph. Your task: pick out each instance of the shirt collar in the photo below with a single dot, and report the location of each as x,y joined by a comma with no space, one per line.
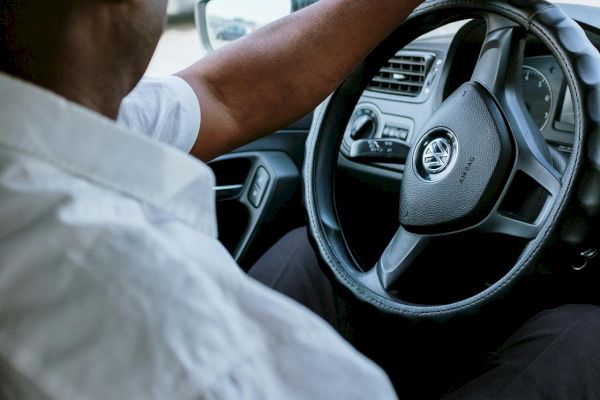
81,142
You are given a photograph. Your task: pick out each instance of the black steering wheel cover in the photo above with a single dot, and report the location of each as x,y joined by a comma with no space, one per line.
579,198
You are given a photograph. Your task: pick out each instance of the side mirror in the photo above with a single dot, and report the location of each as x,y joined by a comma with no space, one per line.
220,22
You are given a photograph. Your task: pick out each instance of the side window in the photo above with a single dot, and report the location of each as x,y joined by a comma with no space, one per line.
220,22
179,46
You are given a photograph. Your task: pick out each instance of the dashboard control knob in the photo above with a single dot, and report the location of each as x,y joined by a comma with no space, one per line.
364,124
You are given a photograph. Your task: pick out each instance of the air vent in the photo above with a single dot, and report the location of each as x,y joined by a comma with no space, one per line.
404,74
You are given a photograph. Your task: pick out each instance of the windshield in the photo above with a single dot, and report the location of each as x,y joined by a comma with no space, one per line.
179,46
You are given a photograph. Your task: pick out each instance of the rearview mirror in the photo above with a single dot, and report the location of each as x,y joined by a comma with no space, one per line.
219,22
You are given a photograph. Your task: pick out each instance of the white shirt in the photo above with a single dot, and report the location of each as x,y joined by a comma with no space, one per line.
165,109
113,284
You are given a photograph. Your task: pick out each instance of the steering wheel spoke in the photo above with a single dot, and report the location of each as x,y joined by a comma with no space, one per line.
505,224
397,258
499,66
499,70
541,171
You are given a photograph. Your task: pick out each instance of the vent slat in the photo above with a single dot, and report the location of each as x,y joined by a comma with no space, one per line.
403,74
399,71
406,62
394,81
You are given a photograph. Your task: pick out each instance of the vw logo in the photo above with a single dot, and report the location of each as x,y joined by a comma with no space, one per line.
437,155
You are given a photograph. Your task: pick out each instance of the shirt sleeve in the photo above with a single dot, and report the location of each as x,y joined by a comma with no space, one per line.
166,109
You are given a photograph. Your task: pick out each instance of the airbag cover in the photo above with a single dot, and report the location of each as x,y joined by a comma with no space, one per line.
455,172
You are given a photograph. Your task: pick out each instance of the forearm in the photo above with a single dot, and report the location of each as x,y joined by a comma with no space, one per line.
273,76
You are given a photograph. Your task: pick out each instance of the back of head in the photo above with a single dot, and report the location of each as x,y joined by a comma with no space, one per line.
81,48
7,12
28,29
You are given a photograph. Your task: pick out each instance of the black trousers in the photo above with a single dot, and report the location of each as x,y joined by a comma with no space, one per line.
555,355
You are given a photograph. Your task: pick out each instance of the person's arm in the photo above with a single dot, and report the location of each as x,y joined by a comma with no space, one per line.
268,79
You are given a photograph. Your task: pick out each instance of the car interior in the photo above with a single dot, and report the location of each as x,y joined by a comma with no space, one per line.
261,195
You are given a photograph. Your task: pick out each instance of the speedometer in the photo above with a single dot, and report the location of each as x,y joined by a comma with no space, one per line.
537,94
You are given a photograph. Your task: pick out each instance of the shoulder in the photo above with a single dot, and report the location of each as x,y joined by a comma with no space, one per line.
93,291
164,108
97,286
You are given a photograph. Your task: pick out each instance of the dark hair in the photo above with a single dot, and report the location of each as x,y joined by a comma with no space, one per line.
24,27
8,11
3,20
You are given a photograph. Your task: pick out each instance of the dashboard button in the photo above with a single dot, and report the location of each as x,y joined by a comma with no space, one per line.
259,187
393,132
403,134
262,177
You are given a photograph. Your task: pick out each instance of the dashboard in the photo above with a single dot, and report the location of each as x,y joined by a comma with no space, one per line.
414,82
548,100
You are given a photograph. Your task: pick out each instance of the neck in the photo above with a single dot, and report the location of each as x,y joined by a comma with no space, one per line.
83,79
85,67
92,94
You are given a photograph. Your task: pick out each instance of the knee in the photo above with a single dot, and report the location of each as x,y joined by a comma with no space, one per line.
298,245
291,257
577,325
570,314
297,238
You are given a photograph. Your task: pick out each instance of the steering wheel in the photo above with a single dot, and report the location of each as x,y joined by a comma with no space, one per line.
473,148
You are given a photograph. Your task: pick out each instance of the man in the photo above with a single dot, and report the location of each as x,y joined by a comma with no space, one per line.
112,282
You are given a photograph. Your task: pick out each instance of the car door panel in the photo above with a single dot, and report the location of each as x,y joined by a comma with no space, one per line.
258,192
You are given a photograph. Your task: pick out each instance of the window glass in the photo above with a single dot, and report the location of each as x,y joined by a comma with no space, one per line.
180,46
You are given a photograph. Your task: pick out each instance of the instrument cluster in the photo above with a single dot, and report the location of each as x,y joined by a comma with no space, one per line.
548,100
